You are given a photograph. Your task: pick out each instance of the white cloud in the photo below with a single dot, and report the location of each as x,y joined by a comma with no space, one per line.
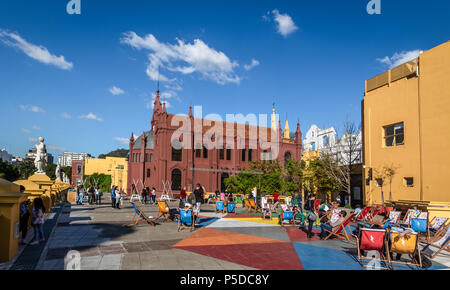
66,116
34,109
36,127
56,148
32,139
285,24
184,58
39,53
91,116
122,140
163,97
251,65
399,58
116,91
26,130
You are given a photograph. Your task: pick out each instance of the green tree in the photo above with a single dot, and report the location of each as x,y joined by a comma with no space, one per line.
99,179
26,168
8,171
68,171
50,171
318,180
116,153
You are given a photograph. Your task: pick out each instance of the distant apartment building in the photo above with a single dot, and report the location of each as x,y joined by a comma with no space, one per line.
405,117
5,156
68,157
317,139
31,154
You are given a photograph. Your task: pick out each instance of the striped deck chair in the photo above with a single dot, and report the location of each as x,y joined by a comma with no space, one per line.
334,215
437,225
140,217
441,244
164,210
186,220
219,206
340,231
408,245
410,214
372,240
394,216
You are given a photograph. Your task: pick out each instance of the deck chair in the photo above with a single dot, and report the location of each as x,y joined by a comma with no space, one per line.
219,206
441,244
372,240
394,216
231,208
164,210
286,215
247,205
334,215
410,214
186,220
253,205
140,217
316,204
405,246
266,209
437,225
363,214
340,232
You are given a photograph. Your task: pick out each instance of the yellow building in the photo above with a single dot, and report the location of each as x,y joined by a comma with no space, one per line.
406,118
117,167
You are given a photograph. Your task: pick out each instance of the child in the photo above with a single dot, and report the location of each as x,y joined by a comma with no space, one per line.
38,221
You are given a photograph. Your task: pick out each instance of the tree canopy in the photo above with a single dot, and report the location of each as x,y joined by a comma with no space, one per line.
116,153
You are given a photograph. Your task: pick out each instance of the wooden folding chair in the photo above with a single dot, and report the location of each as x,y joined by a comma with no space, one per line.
364,213
394,216
253,205
231,208
247,205
436,227
164,210
286,215
340,231
407,245
410,214
187,220
266,209
440,244
219,207
140,217
317,203
372,240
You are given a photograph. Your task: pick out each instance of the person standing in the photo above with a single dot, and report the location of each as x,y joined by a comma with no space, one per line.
143,196
38,221
118,196
91,192
99,195
148,194
113,196
312,214
183,194
154,195
24,218
198,193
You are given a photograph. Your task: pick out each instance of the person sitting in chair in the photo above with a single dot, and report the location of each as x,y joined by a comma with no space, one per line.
332,226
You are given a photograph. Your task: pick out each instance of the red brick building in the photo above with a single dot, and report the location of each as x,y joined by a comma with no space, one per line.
152,157
77,172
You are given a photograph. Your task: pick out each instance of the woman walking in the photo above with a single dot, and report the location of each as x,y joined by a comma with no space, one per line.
118,197
154,195
38,221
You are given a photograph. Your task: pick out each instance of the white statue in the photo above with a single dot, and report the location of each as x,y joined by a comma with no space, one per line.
65,178
58,172
41,157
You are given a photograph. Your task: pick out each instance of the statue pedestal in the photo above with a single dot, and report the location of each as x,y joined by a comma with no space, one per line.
44,182
10,199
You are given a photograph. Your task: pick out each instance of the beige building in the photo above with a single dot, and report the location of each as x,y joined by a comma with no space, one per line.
115,166
406,118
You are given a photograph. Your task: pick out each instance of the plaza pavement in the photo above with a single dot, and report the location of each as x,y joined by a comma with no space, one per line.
239,241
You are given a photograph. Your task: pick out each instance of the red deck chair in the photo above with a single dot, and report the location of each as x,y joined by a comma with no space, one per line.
364,213
372,240
316,204
340,232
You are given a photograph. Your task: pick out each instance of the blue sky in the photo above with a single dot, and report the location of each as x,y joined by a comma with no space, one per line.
58,71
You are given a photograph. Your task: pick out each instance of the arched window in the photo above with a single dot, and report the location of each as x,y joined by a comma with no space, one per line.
287,156
177,154
176,179
148,172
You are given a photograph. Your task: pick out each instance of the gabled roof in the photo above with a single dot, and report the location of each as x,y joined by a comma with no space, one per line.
150,136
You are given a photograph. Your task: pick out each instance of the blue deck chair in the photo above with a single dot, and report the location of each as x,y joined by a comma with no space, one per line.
186,220
140,217
219,206
231,207
286,216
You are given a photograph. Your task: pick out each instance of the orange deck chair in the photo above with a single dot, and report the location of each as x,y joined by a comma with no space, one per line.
405,246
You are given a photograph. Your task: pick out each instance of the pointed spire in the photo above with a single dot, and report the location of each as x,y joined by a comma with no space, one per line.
132,138
164,107
286,130
190,111
274,119
157,103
